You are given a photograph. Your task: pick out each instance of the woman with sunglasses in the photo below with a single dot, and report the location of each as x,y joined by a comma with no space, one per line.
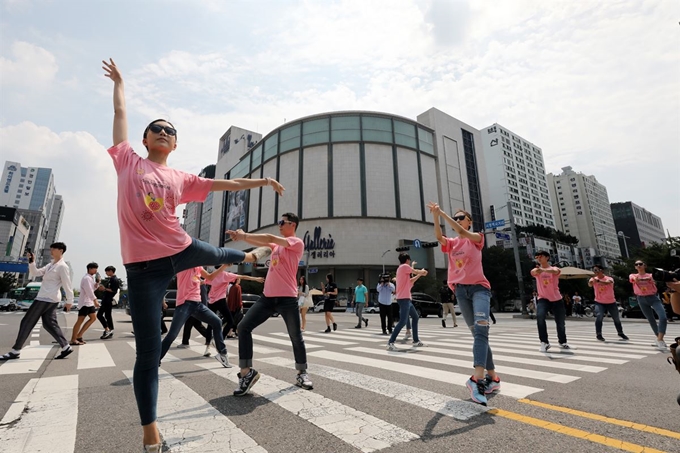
153,244
649,302
473,291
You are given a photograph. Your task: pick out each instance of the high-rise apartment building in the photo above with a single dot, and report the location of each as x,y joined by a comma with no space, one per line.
636,227
54,226
32,191
516,173
581,207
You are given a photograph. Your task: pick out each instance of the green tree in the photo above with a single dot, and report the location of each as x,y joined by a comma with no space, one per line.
7,282
428,284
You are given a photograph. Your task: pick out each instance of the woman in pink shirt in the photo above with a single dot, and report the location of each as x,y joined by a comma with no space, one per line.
406,277
649,302
549,299
153,244
473,292
605,302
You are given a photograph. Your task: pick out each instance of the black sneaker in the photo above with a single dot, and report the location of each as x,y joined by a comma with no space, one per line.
9,356
64,353
358,327
303,381
443,323
335,326
246,382
366,321
623,336
600,337
328,330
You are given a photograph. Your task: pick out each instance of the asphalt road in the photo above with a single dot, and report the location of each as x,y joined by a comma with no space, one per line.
600,397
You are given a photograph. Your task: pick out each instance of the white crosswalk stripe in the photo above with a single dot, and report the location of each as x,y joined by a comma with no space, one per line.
30,360
94,355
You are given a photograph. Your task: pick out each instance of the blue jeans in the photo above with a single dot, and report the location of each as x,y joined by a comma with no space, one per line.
649,305
147,283
406,310
475,305
202,313
560,314
261,310
613,311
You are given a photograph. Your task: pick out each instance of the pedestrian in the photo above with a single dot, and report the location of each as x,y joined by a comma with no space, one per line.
154,246
531,307
567,306
87,304
360,296
105,314
649,302
605,302
55,277
385,291
220,280
279,296
473,292
235,306
447,299
330,293
549,298
305,301
666,299
192,323
406,277
189,305
578,305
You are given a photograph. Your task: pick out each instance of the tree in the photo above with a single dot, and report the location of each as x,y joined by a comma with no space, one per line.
548,233
7,282
428,284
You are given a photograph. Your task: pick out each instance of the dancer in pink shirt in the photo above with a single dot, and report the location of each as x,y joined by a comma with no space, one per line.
549,298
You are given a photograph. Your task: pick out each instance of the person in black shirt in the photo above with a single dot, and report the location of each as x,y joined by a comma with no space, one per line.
330,292
104,316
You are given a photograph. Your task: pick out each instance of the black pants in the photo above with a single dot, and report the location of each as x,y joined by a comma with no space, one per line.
48,312
386,319
227,320
190,324
164,328
104,315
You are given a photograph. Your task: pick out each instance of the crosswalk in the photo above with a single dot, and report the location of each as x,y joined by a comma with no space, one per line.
353,358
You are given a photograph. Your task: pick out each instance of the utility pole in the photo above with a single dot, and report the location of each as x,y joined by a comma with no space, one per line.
518,266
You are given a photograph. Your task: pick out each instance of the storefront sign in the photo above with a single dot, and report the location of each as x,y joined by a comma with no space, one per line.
317,246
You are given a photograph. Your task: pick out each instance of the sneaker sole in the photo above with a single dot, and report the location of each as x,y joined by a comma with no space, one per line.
255,379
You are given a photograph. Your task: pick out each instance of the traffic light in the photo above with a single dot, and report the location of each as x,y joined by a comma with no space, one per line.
402,249
429,245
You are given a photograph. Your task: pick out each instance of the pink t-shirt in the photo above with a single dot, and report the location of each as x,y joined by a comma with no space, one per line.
281,278
547,285
147,196
643,288
218,286
404,283
604,292
465,262
189,285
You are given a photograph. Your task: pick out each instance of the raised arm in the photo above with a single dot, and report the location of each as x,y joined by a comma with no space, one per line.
252,279
210,276
257,239
120,126
462,232
436,213
220,185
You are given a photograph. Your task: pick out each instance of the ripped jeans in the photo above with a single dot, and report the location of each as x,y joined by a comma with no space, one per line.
475,305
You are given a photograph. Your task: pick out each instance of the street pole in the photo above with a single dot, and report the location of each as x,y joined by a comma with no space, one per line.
383,259
625,244
518,266
307,266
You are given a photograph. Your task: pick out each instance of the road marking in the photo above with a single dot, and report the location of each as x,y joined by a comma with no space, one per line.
321,340
602,418
449,377
597,345
30,360
360,430
43,417
435,402
189,423
359,337
573,432
94,355
283,342
419,355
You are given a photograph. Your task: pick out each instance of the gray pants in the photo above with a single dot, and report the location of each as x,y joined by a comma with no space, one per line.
48,312
360,310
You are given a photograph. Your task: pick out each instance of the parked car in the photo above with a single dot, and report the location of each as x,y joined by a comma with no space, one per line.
634,311
373,308
340,304
7,304
249,300
424,304
170,299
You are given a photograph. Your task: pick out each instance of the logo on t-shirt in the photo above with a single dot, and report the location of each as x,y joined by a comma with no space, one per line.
460,263
152,202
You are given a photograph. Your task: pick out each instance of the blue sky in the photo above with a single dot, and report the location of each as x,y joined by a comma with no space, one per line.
594,84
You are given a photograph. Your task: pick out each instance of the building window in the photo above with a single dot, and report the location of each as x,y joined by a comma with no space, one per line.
257,156
377,129
290,138
315,132
425,141
404,134
473,181
270,147
345,129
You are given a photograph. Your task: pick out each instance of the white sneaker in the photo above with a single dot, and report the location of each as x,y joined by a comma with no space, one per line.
420,344
224,360
153,448
545,347
407,336
207,351
182,346
391,347
261,252
661,345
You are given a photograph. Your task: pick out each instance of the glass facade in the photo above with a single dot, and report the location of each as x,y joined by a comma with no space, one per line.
42,183
473,181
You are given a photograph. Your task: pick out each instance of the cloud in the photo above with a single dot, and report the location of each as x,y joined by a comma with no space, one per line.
31,66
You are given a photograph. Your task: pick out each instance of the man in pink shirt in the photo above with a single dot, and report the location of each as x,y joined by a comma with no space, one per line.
549,298
649,302
605,302
404,284
280,295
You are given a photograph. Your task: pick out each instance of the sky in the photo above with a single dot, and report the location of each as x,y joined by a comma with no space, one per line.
596,85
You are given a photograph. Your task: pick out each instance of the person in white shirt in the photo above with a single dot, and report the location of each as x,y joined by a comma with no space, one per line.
87,304
56,276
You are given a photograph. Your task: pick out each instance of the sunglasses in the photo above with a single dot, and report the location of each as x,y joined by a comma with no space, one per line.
283,222
157,128
459,218
639,264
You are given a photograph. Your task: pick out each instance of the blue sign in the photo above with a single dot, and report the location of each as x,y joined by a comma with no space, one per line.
495,224
503,236
312,270
301,263
416,243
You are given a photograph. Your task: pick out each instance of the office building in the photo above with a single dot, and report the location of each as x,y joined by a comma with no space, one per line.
636,227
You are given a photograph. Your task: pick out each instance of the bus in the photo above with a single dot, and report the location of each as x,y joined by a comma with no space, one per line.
25,296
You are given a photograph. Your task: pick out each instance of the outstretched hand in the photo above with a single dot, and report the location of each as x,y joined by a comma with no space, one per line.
112,71
434,208
238,235
278,188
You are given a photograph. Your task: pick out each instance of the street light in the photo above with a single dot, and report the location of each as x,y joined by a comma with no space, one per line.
383,258
625,244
